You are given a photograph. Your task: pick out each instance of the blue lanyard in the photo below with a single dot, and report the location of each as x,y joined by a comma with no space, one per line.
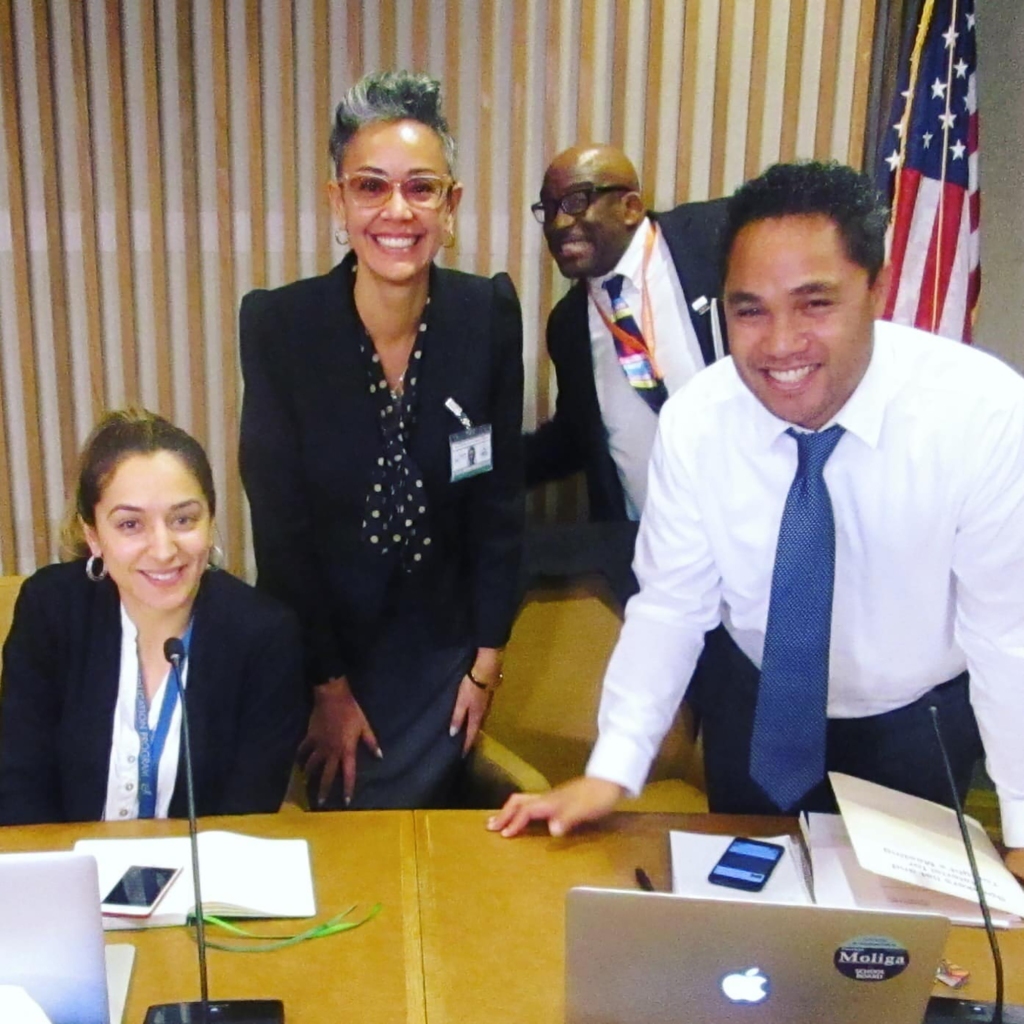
151,743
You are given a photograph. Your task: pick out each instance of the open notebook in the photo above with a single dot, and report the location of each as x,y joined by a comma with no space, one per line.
241,876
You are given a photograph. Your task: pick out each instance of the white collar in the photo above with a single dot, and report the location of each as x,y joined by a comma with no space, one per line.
631,262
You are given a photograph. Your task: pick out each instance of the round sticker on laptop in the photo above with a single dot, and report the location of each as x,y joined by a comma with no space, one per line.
871,958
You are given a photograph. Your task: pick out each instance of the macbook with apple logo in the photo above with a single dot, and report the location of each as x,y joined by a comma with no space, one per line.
655,958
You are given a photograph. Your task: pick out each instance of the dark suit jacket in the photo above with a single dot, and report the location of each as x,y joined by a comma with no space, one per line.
246,702
310,439
574,438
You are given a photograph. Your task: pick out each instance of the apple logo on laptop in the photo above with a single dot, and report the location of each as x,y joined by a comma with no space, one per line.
750,986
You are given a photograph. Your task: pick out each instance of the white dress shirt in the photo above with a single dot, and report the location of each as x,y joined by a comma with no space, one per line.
123,774
927,489
629,421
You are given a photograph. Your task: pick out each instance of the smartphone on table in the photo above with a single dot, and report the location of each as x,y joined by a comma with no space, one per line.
138,891
747,864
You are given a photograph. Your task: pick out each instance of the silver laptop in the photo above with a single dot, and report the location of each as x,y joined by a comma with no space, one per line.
51,934
641,958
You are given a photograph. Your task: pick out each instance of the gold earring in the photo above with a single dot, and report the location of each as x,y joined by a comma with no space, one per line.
449,239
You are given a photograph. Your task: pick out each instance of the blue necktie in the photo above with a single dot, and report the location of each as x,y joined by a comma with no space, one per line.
787,751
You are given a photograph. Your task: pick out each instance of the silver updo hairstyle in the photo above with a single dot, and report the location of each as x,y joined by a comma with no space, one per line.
390,96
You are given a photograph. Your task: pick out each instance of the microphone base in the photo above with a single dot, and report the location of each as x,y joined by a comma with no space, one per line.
965,1011
218,1011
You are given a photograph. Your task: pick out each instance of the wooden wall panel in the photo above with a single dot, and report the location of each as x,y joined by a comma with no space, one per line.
229,209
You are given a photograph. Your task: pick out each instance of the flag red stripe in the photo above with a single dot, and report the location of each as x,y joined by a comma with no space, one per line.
903,215
941,256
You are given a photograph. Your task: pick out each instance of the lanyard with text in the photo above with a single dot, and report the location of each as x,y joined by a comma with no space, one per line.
151,743
646,316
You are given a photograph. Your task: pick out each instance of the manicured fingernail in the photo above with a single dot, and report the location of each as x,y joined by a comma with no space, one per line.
491,822
556,828
379,754
453,730
348,800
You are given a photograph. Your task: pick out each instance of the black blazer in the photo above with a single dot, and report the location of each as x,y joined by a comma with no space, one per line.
574,438
246,702
310,439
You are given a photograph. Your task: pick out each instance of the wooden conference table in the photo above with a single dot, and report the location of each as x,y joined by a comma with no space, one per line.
472,927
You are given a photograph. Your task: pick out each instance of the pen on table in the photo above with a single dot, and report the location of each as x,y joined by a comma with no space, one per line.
644,880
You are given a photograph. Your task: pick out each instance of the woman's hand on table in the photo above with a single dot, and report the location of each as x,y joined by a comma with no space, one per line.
563,808
336,727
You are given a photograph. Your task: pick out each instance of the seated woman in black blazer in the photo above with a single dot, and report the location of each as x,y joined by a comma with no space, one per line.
89,717
381,452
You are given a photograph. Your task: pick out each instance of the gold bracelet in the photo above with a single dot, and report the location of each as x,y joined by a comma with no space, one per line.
485,686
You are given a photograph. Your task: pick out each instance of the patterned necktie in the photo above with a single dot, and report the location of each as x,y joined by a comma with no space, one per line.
787,752
632,349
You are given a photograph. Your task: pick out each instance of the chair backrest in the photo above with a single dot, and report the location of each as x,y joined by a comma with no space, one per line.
554,663
9,587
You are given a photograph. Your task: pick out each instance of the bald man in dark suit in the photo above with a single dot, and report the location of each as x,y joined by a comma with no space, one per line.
664,272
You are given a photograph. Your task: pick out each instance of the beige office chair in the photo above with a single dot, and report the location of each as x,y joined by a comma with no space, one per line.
547,710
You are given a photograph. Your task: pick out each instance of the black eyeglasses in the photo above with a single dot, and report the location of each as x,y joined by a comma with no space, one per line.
572,203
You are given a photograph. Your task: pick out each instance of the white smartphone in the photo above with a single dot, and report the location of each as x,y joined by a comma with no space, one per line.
138,891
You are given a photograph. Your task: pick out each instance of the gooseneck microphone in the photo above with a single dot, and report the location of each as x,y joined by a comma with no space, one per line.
232,1011
947,1010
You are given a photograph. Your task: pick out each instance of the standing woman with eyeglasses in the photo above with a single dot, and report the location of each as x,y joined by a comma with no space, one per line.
381,453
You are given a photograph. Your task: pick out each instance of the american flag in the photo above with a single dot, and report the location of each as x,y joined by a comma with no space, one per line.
928,166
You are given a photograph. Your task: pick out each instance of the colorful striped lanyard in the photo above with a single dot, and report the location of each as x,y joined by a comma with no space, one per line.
646,316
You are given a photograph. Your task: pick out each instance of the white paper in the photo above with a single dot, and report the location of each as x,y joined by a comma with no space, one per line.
241,876
840,881
18,1007
916,841
694,854
120,957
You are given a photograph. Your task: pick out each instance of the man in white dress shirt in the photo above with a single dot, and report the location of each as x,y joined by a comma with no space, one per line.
926,488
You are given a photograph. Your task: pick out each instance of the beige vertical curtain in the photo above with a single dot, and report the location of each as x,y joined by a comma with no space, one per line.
161,157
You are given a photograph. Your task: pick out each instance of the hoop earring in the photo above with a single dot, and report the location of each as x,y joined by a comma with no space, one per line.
341,236
449,239
90,569
216,558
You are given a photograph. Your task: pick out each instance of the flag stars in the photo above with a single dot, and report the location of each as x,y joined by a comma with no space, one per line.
957,150
960,67
970,21
926,139
951,36
938,89
893,159
947,121
898,126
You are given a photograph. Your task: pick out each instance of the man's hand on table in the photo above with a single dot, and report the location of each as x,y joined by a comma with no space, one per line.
563,808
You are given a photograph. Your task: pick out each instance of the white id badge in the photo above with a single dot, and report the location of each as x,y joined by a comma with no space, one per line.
471,452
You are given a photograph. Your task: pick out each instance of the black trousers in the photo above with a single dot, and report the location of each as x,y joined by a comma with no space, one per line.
897,749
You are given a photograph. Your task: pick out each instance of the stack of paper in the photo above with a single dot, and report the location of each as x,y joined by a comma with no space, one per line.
840,881
241,876
917,842
888,851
